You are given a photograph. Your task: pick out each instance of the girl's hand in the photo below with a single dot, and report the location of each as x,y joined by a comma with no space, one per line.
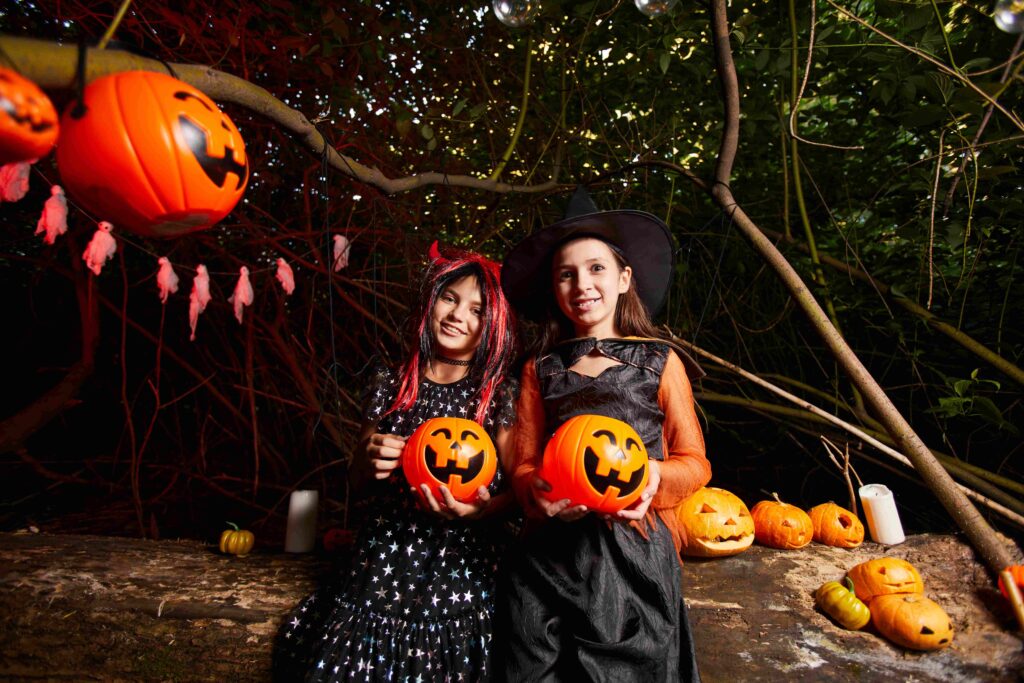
384,454
560,508
637,510
453,509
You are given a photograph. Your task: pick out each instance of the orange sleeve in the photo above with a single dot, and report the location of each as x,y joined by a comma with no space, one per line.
685,467
528,437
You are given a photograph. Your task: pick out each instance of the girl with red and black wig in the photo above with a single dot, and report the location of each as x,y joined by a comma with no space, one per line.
418,601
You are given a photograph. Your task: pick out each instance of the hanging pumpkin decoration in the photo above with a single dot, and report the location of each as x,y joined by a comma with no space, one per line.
885,576
152,154
1017,572
841,603
781,525
912,620
716,523
452,451
596,461
235,541
836,526
28,121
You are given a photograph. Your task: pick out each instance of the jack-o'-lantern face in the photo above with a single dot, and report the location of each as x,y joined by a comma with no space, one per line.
716,523
885,576
912,620
596,461
152,154
836,526
28,121
453,452
781,525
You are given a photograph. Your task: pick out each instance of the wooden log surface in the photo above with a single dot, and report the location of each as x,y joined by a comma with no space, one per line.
103,608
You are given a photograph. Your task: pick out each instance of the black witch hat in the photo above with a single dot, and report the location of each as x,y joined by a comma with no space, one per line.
641,238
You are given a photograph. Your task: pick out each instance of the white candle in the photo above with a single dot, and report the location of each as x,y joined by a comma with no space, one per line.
301,534
883,519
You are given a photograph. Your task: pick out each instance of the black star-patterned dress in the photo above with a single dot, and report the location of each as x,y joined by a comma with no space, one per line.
417,603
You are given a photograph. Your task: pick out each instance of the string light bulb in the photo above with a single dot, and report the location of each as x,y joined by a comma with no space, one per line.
1009,15
655,8
516,13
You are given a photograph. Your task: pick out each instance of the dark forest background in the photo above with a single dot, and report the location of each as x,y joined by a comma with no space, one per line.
898,167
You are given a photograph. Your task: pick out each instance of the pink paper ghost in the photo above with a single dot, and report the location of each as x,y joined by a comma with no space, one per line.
54,221
100,248
166,279
14,180
243,293
341,249
285,276
199,297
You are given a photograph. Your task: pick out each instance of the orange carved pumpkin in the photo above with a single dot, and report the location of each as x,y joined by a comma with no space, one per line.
836,526
452,451
595,461
781,525
912,620
716,523
28,121
884,576
152,154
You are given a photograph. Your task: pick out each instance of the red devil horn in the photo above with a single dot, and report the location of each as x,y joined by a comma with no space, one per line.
435,253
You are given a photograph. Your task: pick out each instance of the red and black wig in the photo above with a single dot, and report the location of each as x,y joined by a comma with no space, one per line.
496,352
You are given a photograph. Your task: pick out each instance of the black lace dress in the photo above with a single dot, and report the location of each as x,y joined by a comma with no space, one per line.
418,600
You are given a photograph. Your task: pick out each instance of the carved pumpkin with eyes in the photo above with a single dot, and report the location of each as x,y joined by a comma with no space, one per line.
717,523
595,461
452,451
885,576
152,154
912,620
28,121
836,526
781,525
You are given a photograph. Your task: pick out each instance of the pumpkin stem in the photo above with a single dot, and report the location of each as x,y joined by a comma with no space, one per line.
776,497
233,525
848,582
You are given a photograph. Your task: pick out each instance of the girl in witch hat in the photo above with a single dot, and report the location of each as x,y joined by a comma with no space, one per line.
589,596
418,600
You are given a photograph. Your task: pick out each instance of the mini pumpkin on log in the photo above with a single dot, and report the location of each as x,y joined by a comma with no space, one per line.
836,526
235,541
885,576
912,620
781,525
841,603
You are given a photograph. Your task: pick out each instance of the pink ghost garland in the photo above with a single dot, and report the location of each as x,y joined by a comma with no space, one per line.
243,295
100,249
285,276
166,279
54,221
341,250
199,297
14,180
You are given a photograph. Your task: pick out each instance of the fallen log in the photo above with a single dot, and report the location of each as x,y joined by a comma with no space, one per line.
102,608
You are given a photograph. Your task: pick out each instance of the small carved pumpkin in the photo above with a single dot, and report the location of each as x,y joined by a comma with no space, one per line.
912,620
716,523
885,576
28,121
452,451
235,541
840,603
836,526
781,525
1017,572
152,154
595,461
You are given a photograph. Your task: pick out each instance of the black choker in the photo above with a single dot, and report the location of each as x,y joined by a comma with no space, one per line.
452,361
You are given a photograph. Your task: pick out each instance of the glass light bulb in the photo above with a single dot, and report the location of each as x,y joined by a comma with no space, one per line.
516,13
1009,16
655,8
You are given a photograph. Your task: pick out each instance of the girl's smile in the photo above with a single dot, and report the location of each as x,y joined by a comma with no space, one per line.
587,285
456,319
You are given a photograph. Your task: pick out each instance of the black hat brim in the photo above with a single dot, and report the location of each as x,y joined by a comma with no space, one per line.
643,239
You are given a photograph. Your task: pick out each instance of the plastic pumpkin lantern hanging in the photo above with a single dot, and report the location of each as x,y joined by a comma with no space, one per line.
781,525
836,526
716,523
912,620
885,576
596,461
452,451
28,121
152,155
